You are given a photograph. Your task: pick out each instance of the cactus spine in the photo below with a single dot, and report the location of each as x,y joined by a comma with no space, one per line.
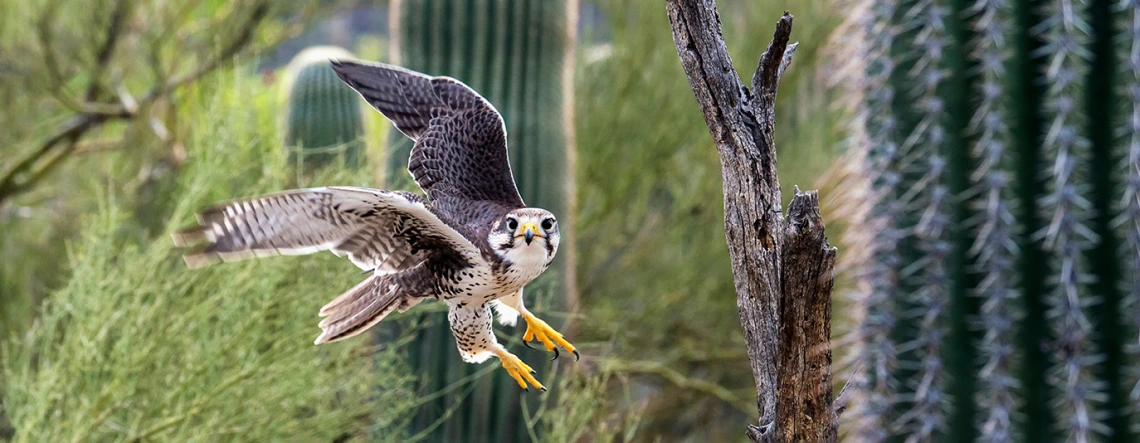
876,353
993,244
510,51
324,121
1002,148
1130,206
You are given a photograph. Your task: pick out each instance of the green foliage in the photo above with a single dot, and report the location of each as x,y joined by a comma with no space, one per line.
324,121
589,408
512,53
66,61
137,346
998,279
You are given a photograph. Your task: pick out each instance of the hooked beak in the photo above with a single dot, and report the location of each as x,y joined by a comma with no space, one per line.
529,231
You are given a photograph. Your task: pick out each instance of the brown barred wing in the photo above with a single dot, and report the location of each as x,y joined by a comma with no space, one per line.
461,143
383,230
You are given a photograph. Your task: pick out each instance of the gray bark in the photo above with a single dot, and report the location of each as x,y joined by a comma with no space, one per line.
782,267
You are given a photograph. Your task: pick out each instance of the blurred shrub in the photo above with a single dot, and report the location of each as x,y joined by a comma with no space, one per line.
83,79
136,346
589,409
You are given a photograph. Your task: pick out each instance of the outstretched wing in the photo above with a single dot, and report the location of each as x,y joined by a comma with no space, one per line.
386,231
461,142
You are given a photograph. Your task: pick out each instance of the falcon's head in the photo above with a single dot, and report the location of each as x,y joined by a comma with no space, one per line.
527,236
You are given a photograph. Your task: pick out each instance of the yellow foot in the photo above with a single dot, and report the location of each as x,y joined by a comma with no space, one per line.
551,339
521,372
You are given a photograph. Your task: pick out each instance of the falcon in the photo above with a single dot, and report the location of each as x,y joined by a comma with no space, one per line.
472,243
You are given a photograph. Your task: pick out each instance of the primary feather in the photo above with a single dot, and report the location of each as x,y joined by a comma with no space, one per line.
461,142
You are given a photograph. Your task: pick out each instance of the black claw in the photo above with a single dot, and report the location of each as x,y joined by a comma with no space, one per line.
527,344
533,372
526,389
543,389
555,355
576,355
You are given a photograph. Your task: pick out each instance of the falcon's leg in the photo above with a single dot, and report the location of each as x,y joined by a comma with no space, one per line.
471,326
536,329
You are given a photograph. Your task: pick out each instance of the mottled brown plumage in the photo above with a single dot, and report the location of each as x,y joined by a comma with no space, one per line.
472,243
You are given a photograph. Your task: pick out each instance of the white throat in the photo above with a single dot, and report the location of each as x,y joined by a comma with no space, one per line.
527,261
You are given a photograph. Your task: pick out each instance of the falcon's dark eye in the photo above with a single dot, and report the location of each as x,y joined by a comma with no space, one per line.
512,224
547,224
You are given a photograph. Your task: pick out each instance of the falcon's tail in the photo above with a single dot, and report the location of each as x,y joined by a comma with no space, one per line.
361,307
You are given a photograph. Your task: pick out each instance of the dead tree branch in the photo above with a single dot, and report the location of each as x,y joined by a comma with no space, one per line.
782,267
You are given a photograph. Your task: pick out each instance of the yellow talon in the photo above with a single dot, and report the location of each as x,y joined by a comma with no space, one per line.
518,370
551,339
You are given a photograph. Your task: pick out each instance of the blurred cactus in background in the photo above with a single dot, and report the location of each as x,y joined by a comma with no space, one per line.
1000,144
512,52
324,121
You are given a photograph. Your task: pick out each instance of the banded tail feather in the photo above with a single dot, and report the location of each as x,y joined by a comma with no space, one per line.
360,308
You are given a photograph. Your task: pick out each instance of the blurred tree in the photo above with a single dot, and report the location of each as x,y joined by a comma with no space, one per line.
83,75
86,78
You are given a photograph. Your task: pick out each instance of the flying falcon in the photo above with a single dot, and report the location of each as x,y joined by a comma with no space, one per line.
472,243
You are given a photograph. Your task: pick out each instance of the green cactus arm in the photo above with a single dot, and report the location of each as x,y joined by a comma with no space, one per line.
324,121
929,195
1130,201
1101,107
1066,204
993,244
876,351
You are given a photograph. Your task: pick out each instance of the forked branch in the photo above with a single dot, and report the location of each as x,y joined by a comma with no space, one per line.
782,267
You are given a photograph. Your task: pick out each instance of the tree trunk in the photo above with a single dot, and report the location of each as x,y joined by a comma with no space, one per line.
782,267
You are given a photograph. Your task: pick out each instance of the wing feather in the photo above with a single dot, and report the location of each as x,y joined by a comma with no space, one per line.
461,141
386,231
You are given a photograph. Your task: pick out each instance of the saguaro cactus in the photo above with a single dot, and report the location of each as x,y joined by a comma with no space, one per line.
1005,172
324,120
512,52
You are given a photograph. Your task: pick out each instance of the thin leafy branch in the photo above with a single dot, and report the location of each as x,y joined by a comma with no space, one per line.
99,106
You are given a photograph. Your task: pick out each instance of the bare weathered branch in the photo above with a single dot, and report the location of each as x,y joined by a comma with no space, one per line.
804,411
751,205
787,61
767,77
782,269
